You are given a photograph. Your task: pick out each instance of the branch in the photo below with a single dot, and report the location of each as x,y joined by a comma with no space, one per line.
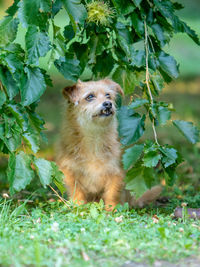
147,78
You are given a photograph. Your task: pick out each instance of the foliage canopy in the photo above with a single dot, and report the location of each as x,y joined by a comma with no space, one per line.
122,39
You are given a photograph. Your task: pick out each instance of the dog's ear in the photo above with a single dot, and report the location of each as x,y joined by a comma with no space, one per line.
114,86
71,93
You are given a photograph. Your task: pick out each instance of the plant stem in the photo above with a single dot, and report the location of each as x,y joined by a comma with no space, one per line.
147,78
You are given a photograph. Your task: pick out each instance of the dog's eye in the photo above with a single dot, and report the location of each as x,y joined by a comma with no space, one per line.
89,97
108,96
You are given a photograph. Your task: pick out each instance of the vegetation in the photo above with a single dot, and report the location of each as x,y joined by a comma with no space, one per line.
123,41
52,234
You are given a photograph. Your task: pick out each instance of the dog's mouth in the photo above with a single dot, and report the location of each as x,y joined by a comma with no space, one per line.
106,112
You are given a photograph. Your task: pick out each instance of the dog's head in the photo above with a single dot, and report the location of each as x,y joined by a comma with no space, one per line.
93,100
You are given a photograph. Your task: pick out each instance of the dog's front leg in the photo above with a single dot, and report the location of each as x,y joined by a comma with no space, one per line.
73,188
112,192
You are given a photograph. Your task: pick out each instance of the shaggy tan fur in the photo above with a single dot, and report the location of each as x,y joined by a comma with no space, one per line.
89,150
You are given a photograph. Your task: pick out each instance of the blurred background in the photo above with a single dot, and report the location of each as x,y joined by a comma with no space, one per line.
184,94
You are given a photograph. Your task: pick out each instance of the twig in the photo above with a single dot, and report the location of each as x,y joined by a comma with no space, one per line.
62,199
147,78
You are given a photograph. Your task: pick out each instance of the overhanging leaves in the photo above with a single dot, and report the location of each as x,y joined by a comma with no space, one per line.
131,155
69,67
76,12
19,171
33,85
188,130
8,30
37,44
131,125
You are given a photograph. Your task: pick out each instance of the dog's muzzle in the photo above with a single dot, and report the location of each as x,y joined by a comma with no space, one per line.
107,109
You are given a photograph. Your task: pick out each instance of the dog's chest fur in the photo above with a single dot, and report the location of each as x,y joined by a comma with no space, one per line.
92,154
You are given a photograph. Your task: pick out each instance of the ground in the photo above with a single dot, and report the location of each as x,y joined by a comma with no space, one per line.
49,233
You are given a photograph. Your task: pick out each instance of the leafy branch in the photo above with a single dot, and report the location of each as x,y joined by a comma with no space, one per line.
100,39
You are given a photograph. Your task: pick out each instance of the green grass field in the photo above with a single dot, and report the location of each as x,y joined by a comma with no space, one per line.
50,234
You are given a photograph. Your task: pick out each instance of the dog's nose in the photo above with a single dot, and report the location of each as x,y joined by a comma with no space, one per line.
107,104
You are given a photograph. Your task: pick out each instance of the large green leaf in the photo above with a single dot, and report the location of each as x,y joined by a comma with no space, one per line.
137,186
19,171
13,9
44,170
188,130
169,156
33,85
32,139
8,82
131,155
123,7
34,12
2,98
131,125
76,11
37,44
163,114
138,102
151,159
58,178
159,34
28,12
168,65
8,30
70,68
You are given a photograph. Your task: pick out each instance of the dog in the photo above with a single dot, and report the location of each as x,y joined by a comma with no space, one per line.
89,152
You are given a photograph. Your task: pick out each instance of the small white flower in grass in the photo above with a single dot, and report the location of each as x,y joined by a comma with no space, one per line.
181,229
82,229
5,195
32,237
119,219
55,227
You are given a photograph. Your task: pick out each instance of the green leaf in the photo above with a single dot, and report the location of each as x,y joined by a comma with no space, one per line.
159,34
45,5
131,155
44,170
137,186
163,114
37,44
180,26
137,2
8,82
123,7
32,139
28,12
19,171
34,13
157,81
2,98
168,65
188,130
8,30
76,11
58,178
70,68
13,9
138,24
127,79
170,175
33,85
169,156
138,102
151,159
104,65
131,125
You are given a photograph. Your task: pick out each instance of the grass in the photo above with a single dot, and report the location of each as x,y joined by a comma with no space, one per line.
50,234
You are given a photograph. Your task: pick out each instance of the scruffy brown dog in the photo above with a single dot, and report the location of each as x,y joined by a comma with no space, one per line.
89,151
